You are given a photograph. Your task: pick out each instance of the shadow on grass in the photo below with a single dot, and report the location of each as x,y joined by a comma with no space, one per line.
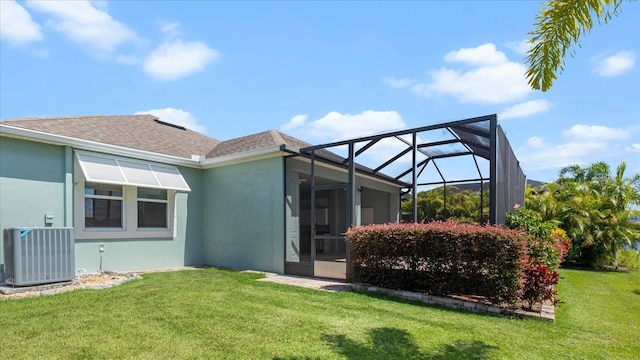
637,292
392,343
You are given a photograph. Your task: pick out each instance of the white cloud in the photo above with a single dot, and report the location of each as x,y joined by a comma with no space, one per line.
478,56
85,23
100,4
16,25
492,78
177,117
387,148
337,126
535,142
595,132
295,122
584,144
520,47
541,156
634,148
177,59
525,109
616,64
398,83
170,29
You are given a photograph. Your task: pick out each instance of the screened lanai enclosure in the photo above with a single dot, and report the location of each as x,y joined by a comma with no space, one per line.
333,186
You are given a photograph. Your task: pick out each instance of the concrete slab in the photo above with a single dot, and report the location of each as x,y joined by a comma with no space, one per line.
310,283
8,289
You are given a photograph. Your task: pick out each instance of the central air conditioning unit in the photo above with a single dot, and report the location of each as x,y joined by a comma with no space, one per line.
34,256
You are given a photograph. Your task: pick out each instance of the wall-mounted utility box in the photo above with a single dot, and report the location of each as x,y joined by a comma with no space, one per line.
35,256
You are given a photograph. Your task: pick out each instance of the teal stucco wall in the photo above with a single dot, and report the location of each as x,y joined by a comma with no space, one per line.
37,179
32,184
244,215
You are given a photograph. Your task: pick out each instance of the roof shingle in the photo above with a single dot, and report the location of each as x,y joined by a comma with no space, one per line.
142,132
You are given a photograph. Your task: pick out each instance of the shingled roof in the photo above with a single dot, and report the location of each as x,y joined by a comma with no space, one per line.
142,132
263,140
149,133
242,144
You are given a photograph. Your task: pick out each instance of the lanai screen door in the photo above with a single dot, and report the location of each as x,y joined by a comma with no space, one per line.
329,225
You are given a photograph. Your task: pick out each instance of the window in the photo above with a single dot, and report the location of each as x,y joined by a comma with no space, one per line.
102,206
123,198
152,208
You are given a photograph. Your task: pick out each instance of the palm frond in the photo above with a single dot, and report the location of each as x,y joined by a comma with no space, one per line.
557,30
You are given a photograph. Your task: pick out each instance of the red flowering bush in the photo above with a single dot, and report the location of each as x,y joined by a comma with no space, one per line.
441,258
538,282
548,246
561,242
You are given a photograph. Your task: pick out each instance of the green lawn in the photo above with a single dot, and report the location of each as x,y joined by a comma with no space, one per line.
221,314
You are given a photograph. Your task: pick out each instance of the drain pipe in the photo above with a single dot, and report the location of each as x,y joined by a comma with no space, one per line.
101,255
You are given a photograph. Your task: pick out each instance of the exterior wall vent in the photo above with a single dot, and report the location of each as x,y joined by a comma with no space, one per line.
35,256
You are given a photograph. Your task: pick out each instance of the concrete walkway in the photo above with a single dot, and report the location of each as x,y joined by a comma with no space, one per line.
310,283
547,312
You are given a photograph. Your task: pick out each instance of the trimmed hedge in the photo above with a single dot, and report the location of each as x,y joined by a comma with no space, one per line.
440,258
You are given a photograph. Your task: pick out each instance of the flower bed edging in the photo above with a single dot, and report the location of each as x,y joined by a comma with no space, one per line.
547,312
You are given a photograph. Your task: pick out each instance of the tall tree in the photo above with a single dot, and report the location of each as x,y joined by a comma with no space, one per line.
558,28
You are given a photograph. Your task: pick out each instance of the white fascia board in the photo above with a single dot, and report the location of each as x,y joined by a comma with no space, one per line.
346,171
258,154
38,136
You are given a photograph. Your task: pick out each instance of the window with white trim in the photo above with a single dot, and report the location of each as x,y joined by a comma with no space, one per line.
152,208
102,205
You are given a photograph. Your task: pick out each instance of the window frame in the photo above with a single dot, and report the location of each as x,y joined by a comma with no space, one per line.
105,197
151,200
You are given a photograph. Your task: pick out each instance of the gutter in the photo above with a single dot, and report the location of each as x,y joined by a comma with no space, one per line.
257,154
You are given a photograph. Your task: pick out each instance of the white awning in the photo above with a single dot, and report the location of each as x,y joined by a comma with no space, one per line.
101,168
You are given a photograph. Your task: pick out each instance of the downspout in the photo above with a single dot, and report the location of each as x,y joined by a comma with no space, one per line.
68,186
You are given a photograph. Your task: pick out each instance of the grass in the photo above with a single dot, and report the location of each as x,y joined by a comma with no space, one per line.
220,314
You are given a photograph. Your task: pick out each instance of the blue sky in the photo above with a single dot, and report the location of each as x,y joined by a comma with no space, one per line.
323,71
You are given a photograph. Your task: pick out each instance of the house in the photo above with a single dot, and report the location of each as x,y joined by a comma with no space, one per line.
142,193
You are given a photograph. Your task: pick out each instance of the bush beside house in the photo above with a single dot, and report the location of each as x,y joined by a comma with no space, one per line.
440,258
506,266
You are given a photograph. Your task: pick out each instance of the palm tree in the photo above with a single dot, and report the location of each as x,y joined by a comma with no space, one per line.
621,193
558,28
592,206
543,200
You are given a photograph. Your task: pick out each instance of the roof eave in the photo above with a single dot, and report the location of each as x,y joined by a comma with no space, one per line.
38,136
251,155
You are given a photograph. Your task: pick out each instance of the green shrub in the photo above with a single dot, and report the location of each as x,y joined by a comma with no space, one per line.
629,259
